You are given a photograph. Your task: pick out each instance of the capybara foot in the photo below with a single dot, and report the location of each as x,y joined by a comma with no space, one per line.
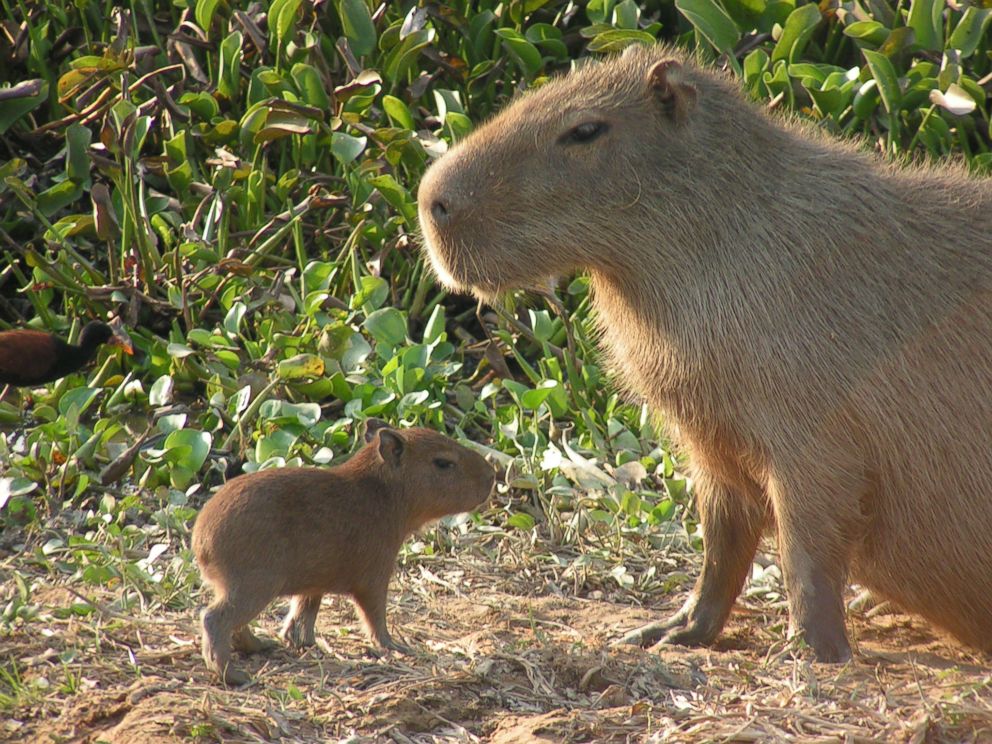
247,642
298,634
650,634
379,651
234,677
829,644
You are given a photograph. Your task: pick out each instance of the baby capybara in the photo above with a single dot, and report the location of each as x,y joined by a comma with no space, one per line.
813,324
304,532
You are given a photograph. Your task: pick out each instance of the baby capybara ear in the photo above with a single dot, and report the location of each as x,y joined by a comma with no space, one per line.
390,445
373,425
665,80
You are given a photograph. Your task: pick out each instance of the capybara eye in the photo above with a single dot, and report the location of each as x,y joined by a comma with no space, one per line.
585,132
442,464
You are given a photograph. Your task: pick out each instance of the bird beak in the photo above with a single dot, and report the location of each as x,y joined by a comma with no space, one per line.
121,339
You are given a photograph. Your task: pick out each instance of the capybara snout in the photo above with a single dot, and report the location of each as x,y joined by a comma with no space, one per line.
304,532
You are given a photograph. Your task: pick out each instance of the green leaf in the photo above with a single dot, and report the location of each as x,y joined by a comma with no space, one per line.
798,30
204,13
616,40
387,326
346,148
968,34
403,55
282,14
396,196
160,393
522,521
871,32
398,113
188,447
356,22
712,21
925,20
300,366
888,82
435,325
525,54
20,99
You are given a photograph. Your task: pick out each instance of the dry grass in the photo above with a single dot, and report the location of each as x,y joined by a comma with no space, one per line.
502,654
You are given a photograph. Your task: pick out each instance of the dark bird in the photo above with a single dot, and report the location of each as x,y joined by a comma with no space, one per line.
29,357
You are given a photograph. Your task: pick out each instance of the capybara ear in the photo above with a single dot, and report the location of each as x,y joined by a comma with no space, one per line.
665,80
390,446
373,425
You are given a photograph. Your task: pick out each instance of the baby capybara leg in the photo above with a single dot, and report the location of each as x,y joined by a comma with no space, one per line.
247,642
298,630
731,521
371,604
220,620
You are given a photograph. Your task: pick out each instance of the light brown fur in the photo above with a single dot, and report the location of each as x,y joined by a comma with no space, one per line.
303,532
813,324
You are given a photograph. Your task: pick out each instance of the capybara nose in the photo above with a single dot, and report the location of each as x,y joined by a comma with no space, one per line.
439,212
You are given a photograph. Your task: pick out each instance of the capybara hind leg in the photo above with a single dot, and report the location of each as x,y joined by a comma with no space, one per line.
220,620
731,521
298,630
247,642
371,604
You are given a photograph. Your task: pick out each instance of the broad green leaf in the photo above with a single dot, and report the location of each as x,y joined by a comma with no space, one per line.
888,82
204,13
522,521
616,40
398,113
925,20
356,21
300,366
20,99
403,55
387,326
968,34
191,447
712,21
346,148
160,393
525,54
796,33
871,32
397,196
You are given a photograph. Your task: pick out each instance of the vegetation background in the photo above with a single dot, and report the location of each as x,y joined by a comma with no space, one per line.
237,182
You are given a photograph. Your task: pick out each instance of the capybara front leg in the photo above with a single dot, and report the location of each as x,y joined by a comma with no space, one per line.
371,603
731,521
814,552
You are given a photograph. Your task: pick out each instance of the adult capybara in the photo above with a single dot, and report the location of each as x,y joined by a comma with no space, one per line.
303,532
815,325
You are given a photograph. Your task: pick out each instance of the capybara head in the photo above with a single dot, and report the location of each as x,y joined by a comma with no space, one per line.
555,181
439,475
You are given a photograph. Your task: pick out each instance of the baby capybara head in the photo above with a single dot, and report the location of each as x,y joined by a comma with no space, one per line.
556,181
439,475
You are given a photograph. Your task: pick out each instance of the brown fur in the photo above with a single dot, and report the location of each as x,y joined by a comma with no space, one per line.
302,532
813,324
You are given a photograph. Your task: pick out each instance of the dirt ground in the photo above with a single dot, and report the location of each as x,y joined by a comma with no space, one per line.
500,655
